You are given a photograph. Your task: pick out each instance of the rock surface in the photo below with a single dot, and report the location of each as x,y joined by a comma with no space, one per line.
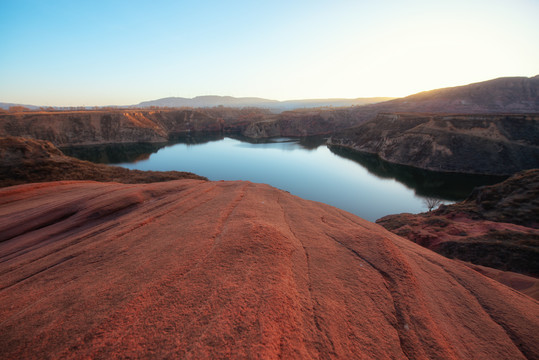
497,226
198,269
27,161
479,144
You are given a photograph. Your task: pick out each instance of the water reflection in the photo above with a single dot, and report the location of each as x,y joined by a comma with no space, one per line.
442,185
113,154
130,153
359,183
307,143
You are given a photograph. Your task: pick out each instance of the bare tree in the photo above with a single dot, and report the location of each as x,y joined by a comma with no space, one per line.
431,203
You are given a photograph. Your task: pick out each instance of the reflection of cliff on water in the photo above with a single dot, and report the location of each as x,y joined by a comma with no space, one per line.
307,142
446,186
129,153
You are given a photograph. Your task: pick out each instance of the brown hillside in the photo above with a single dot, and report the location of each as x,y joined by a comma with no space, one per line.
26,161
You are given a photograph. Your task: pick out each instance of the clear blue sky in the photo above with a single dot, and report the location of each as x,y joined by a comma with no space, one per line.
91,52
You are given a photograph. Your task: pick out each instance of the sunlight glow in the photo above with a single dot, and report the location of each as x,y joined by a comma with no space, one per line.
123,52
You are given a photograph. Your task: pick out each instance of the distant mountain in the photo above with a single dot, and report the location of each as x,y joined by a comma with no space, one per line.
6,106
229,101
207,101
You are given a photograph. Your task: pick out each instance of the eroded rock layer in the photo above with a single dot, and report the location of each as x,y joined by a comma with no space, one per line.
479,144
197,269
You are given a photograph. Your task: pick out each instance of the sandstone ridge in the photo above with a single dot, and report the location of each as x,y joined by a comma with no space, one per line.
198,269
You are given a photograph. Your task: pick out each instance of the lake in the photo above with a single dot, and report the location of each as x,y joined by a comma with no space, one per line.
359,183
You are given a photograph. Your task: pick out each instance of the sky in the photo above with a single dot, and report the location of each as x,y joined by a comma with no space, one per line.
114,52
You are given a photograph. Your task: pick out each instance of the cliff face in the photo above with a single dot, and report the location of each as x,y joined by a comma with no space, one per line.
304,123
482,144
119,126
197,269
26,161
497,226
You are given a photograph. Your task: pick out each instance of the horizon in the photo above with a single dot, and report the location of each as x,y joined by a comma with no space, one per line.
60,53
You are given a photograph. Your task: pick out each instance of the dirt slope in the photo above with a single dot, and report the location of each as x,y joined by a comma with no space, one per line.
197,269
26,161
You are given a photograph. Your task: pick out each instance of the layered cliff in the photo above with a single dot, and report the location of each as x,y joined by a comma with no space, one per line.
198,269
304,123
66,128
27,161
480,144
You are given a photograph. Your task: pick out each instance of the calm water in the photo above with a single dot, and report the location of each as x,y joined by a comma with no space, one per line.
360,184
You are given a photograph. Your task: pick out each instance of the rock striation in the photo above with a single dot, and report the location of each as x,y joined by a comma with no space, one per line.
478,144
199,269
27,161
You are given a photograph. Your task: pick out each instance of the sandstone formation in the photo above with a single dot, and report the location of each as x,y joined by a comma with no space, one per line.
27,161
480,144
198,269
497,226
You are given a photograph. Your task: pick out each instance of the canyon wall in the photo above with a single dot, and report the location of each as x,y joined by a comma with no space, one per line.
122,126
481,144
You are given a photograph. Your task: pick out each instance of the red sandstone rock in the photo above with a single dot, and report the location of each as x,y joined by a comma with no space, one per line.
195,269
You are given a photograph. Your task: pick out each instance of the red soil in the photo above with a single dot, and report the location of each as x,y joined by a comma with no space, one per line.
195,269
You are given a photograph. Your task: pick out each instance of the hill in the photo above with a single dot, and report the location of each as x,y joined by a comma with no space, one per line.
28,161
229,101
502,95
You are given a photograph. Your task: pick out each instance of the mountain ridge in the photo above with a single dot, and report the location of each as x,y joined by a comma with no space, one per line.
216,100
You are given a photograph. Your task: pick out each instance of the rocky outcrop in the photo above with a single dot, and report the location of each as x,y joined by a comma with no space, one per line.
198,269
497,226
28,161
479,144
